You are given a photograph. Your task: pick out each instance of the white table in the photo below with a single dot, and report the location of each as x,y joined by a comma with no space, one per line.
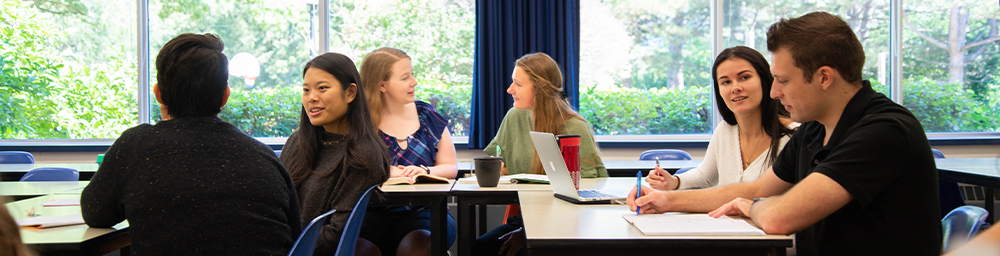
28,189
434,195
976,171
556,227
74,240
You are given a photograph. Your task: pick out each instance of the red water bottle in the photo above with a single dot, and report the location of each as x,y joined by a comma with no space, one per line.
569,144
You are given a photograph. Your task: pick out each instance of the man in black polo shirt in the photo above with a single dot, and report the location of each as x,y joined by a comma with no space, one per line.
857,178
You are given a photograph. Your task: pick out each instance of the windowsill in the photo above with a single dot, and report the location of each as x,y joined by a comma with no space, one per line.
604,141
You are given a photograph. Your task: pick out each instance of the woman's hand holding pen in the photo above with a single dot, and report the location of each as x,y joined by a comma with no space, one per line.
652,201
661,179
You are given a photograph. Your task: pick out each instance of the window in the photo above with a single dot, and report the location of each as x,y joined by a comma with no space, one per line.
438,35
268,43
951,55
643,66
746,23
67,71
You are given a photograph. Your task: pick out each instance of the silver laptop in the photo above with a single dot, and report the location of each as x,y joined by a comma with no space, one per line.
562,183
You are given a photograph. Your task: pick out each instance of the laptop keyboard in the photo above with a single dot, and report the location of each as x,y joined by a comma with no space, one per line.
593,194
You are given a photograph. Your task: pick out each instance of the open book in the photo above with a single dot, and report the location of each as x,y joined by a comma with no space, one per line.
690,225
416,179
512,179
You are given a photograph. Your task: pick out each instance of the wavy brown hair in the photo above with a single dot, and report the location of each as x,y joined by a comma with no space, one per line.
770,109
550,109
375,69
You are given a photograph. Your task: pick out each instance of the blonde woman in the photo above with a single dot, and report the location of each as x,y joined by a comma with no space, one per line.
539,105
417,140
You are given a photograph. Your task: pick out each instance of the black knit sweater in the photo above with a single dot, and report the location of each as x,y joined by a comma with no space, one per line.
194,186
332,185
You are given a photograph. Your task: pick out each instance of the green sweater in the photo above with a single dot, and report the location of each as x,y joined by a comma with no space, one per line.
518,151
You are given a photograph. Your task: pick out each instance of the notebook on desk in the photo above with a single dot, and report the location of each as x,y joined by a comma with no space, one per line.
690,225
558,174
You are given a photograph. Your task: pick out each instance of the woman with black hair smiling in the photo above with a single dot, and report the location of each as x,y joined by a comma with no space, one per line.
334,155
756,127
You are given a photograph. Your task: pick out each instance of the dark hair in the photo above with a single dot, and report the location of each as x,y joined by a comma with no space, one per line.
770,109
192,73
364,149
819,39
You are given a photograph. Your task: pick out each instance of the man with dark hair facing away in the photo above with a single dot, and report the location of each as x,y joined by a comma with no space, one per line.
193,184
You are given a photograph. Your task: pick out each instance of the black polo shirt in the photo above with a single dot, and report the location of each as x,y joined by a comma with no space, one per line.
879,153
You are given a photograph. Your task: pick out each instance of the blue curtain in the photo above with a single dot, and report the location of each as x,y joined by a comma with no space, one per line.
507,30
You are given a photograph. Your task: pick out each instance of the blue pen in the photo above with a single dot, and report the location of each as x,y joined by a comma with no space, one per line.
638,189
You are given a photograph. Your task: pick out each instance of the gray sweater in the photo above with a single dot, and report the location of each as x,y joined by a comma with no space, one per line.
331,185
194,186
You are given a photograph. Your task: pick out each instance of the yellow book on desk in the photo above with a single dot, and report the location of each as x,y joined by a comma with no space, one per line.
416,179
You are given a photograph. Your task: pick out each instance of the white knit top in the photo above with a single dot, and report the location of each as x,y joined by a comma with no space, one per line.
723,161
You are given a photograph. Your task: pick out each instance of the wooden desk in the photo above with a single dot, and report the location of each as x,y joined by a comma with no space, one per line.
20,190
472,200
434,195
556,227
618,168
13,172
976,171
68,240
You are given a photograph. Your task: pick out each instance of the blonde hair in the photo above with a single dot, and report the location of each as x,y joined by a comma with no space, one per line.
550,109
375,69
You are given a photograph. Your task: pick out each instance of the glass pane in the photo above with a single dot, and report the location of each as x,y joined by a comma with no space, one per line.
746,23
951,55
67,71
268,43
438,35
654,56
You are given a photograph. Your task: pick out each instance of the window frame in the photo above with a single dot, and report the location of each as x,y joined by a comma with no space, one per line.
605,141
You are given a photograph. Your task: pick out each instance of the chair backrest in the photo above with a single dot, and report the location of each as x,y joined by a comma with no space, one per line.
306,244
937,153
960,225
16,157
665,154
353,228
52,174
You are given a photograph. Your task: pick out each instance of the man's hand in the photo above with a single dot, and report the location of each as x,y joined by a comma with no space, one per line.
739,206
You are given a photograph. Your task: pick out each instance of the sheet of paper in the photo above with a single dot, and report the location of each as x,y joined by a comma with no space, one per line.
63,202
51,221
472,180
690,225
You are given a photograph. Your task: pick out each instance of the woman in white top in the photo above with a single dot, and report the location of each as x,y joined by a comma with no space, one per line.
756,128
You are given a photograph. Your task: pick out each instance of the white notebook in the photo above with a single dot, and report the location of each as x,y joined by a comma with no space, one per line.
51,221
690,225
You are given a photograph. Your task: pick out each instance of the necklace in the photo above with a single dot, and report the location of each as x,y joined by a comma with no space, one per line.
746,156
327,143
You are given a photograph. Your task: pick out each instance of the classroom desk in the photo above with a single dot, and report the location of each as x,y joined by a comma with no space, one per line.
13,172
976,171
556,227
619,168
68,240
434,195
27,189
472,199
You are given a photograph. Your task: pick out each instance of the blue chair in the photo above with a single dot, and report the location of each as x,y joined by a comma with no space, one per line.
306,244
665,154
52,174
349,238
948,191
960,225
16,157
